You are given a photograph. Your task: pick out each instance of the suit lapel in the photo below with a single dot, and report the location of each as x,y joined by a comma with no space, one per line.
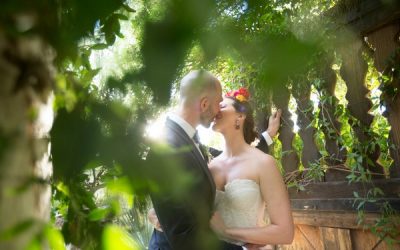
194,151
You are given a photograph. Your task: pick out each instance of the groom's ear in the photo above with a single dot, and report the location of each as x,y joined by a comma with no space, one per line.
204,103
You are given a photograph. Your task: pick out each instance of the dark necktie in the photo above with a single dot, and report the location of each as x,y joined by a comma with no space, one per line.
201,146
196,138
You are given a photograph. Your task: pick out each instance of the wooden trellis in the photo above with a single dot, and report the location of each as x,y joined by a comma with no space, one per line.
324,214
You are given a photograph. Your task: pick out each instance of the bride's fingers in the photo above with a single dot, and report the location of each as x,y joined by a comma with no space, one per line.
278,113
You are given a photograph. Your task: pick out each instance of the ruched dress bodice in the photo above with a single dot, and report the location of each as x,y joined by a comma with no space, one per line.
241,204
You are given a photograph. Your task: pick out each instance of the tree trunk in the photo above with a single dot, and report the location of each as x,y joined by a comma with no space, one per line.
26,81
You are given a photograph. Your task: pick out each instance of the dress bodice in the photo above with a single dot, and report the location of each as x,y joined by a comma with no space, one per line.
241,204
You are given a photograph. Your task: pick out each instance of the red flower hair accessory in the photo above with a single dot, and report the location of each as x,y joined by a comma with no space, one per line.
242,94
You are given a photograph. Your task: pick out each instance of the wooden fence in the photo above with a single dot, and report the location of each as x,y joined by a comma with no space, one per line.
324,212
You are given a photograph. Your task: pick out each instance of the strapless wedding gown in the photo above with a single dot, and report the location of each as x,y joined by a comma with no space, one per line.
241,205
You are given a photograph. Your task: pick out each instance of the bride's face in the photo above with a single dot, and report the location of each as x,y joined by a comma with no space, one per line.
226,118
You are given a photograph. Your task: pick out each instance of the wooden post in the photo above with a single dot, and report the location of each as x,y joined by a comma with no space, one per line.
385,41
337,153
301,92
290,160
353,72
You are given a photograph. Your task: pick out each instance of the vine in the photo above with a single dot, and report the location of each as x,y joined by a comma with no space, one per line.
387,225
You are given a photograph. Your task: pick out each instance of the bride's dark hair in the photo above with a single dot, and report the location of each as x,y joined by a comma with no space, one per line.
242,105
249,132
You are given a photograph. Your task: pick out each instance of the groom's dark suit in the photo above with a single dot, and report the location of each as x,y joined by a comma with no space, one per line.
185,221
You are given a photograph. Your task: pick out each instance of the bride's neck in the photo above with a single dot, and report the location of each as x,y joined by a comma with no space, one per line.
234,143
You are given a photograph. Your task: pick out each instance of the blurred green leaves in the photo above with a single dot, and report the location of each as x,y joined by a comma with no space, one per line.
166,43
47,233
114,237
75,142
54,238
112,28
62,23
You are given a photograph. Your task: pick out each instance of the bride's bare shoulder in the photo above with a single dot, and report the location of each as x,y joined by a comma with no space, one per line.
215,162
261,155
263,160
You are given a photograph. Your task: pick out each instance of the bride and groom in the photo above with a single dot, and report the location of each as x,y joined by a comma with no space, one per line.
224,206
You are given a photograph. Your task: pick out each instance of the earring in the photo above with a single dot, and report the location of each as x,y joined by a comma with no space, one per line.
237,125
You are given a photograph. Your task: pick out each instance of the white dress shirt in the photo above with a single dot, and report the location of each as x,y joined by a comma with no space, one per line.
267,138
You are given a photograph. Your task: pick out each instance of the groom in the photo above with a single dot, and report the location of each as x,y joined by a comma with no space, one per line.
185,221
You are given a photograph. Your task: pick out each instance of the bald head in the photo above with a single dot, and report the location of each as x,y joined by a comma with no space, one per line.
196,84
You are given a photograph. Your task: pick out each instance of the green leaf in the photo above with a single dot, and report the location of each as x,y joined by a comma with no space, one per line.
360,205
55,238
93,165
121,184
377,191
34,245
98,214
62,188
121,17
110,38
114,237
99,46
369,162
126,7
120,35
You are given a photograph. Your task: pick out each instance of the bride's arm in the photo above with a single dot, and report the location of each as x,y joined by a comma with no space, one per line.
274,192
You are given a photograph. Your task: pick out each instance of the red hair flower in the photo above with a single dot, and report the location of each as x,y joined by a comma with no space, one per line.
242,94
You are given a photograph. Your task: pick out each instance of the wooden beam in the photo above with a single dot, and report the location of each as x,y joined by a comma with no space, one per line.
341,204
365,16
343,190
332,219
339,196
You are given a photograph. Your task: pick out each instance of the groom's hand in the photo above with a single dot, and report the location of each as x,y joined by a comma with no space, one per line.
152,216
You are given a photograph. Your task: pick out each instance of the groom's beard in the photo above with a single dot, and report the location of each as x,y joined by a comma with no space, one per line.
206,118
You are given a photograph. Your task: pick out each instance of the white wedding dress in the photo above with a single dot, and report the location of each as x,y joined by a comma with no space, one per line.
241,205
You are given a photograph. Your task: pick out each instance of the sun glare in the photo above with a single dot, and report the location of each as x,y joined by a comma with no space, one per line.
207,136
155,127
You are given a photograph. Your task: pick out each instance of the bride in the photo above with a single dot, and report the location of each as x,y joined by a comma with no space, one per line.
247,181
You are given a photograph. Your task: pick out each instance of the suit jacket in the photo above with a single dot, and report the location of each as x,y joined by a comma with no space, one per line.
185,220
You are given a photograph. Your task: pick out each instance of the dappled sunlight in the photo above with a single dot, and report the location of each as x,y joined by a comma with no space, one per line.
210,138
154,129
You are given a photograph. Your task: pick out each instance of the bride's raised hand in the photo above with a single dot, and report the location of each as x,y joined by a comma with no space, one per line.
274,122
152,216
